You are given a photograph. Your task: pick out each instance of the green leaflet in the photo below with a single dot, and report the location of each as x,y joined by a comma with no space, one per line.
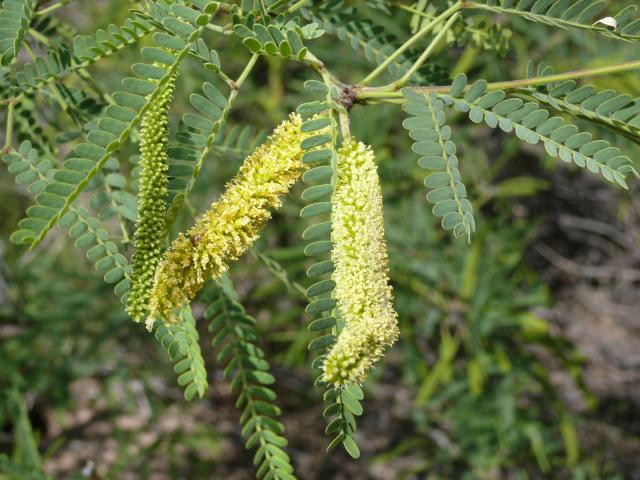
181,342
15,18
274,39
235,337
619,112
432,140
86,50
532,124
568,14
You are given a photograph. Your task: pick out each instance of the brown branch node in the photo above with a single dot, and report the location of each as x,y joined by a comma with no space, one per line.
348,96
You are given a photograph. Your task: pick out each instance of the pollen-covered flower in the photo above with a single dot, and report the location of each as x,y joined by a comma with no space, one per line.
232,224
152,198
362,291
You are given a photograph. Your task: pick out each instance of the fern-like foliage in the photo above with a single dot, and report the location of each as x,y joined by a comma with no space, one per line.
87,49
238,141
533,125
27,127
181,341
321,154
15,18
90,234
113,198
360,33
275,39
433,141
376,44
342,405
579,14
182,344
619,112
473,30
193,143
29,169
235,338
182,29
36,174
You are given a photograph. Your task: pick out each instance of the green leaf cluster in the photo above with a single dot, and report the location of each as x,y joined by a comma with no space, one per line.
181,342
235,338
433,141
581,14
15,18
115,125
533,125
85,51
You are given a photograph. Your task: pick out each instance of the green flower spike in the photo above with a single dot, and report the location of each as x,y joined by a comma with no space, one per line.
150,229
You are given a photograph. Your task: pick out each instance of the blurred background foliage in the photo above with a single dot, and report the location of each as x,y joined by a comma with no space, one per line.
517,356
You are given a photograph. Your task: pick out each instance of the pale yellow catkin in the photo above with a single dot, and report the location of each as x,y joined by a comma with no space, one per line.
231,225
363,294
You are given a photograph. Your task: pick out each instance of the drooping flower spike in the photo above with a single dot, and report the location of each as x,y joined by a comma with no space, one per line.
362,292
152,198
231,225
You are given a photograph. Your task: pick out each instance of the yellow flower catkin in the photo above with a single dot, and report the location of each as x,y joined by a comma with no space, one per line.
363,294
231,225
152,198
